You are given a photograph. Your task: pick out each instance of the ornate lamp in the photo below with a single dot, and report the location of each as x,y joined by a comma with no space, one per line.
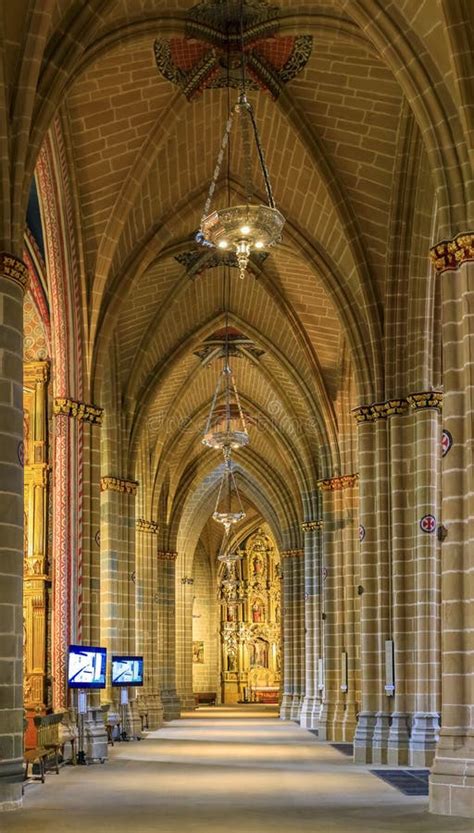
250,227
226,429
228,512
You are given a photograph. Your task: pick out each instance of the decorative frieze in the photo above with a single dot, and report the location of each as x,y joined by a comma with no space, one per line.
117,484
13,268
336,484
166,556
78,410
392,407
292,554
148,526
449,255
310,526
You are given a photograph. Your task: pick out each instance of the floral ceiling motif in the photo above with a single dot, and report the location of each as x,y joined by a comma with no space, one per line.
209,56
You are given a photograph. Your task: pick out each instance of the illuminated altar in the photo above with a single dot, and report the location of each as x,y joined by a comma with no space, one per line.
249,595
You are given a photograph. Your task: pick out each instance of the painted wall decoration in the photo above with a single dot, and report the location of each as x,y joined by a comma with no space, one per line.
198,652
209,56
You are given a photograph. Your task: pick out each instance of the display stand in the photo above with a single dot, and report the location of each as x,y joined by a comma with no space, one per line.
123,712
81,711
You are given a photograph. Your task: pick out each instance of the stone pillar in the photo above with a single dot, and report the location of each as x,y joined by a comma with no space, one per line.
184,639
369,637
337,718
293,633
452,778
13,283
425,412
166,601
310,708
149,699
117,582
298,634
75,534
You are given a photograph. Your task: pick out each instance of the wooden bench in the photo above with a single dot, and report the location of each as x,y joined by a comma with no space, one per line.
47,726
207,698
32,756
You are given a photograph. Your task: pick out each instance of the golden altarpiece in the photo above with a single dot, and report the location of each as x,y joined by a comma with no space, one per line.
250,599
34,455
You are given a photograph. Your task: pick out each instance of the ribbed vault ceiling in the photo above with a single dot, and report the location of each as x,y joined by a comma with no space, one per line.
141,157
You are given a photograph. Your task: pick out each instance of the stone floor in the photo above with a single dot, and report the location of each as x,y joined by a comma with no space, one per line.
223,771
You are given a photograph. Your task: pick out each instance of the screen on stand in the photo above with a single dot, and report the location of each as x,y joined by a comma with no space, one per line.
86,667
127,671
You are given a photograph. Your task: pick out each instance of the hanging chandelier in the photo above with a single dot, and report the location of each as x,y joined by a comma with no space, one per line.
250,227
228,509
226,429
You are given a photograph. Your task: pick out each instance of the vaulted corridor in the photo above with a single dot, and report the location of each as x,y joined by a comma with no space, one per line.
224,769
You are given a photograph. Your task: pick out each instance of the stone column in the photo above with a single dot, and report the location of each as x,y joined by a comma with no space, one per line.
292,633
166,601
13,283
75,534
184,639
337,719
310,708
146,604
369,637
298,633
118,580
425,412
452,778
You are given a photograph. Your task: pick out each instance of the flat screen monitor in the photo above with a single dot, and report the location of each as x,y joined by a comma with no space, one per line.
127,670
86,667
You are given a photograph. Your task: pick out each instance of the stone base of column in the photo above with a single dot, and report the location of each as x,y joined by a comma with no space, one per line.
154,711
285,708
326,712
309,716
363,738
424,738
11,779
452,776
95,735
171,704
337,724
350,722
133,723
398,740
188,700
380,738
296,707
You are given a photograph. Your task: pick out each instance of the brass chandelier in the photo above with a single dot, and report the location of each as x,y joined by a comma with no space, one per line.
249,227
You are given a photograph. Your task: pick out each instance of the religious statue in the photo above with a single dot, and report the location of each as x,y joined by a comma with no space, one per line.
257,612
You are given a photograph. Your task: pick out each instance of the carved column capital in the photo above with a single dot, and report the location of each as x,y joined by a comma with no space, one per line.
78,410
166,556
426,399
335,484
118,484
13,268
152,527
449,255
36,373
310,526
292,554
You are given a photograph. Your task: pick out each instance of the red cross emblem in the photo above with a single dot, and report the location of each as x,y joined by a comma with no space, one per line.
428,523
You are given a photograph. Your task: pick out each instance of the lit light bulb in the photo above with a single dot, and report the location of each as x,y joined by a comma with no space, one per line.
245,229
259,244
223,244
